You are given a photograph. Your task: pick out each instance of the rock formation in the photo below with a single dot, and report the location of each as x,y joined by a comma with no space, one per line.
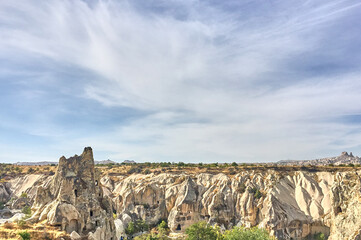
344,158
291,205
4,192
74,200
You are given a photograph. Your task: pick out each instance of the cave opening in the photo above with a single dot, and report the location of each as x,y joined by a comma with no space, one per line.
91,213
179,227
76,192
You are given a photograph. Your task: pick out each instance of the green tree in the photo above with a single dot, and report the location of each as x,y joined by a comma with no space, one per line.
163,225
240,233
163,231
24,235
130,230
201,231
137,226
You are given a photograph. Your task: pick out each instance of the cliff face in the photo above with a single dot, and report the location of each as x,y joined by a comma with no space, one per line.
290,204
294,205
73,199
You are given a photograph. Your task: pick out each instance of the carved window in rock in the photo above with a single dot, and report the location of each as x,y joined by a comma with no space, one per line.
91,213
96,183
96,223
76,192
179,227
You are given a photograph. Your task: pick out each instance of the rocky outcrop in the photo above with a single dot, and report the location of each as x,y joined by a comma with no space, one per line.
73,199
290,204
4,192
295,205
344,159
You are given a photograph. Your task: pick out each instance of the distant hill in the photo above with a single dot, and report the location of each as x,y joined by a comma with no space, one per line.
105,162
344,158
129,161
35,163
49,163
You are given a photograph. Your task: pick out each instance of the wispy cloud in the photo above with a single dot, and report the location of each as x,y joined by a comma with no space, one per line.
182,80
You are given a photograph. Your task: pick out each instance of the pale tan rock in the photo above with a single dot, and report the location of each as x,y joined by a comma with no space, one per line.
74,199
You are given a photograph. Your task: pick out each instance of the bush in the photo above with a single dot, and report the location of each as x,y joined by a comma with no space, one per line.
319,236
31,170
8,225
162,225
2,205
134,170
24,235
137,226
201,230
22,224
147,171
258,194
239,233
24,195
26,210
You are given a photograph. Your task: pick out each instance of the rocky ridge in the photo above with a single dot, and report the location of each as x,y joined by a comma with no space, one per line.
344,158
290,204
73,199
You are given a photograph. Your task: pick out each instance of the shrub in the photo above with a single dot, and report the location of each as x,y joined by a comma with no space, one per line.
147,171
24,235
26,210
258,194
8,225
22,224
134,170
240,233
130,230
163,225
2,205
201,230
24,195
319,236
31,170
234,164
137,226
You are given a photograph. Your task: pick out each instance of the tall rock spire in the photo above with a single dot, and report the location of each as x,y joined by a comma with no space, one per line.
74,199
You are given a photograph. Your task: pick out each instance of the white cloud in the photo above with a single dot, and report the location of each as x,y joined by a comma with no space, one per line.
213,81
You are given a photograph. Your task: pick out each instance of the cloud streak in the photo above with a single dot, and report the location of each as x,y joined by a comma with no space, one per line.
182,80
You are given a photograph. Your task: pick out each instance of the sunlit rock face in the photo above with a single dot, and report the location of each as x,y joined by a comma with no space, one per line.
74,200
291,205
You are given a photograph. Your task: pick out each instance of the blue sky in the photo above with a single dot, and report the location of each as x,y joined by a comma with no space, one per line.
192,81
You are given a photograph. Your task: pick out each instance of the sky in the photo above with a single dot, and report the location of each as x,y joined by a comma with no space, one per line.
180,80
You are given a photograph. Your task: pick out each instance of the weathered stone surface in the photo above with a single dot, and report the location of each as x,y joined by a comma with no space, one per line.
75,236
74,199
291,206
5,192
